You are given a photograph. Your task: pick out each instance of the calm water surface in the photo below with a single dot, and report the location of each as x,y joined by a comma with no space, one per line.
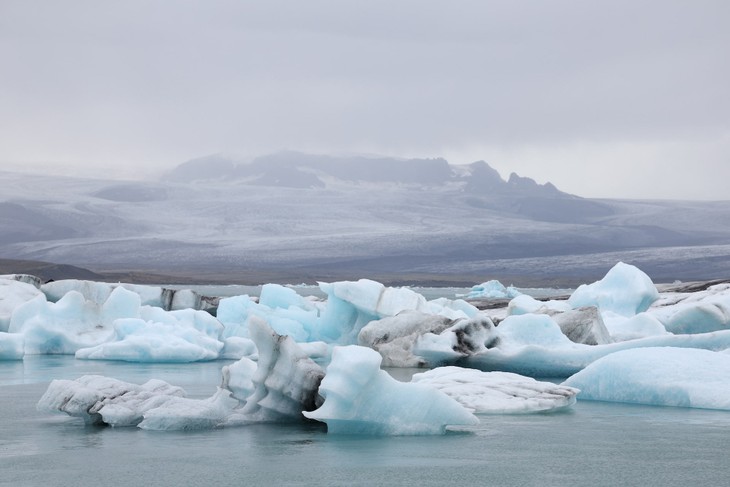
593,444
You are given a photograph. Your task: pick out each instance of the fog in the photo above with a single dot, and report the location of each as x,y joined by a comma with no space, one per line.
604,99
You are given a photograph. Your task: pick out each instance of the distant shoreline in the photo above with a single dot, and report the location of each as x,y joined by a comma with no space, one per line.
253,277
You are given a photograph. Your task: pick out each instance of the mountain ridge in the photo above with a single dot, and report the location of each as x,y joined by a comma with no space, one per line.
278,223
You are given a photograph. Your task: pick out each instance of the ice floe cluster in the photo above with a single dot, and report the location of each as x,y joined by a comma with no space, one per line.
618,339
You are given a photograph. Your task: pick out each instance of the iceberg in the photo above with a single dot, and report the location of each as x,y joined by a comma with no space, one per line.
62,327
13,293
99,292
492,290
137,340
525,304
663,376
285,382
362,399
697,312
534,345
118,329
350,306
104,400
465,338
184,414
624,289
497,392
395,336
641,325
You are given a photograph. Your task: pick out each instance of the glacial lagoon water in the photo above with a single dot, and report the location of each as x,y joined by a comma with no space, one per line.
592,444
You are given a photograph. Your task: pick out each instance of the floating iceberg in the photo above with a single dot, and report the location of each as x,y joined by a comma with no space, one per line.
534,345
285,382
118,329
350,306
13,293
497,392
492,290
137,340
362,399
103,400
697,312
282,385
465,338
62,327
395,336
658,376
99,292
624,289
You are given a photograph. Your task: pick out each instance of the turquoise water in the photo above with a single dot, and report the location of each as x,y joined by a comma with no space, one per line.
593,444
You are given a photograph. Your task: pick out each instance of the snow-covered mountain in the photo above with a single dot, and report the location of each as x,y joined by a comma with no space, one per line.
292,216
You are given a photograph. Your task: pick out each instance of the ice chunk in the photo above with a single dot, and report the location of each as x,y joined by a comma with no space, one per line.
25,278
60,328
624,289
463,339
13,293
658,376
583,325
374,298
88,397
497,392
394,337
192,414
492,290
362,399
286,379
238,347
349,307
12,346
698,312
238,378
525,304
300,323
99,292
137,340
641,325
534,345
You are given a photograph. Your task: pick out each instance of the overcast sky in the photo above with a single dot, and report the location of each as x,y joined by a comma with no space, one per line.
605,99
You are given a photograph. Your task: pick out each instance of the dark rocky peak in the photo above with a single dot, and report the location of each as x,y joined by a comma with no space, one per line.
483,177
355,168
524,184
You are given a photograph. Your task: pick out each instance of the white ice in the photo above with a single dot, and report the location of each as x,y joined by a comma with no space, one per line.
658,376
625,290
118,329
99,292
13,293
534,345
349,307
497,392
696,312
492,290
99,399
285,381
362,399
